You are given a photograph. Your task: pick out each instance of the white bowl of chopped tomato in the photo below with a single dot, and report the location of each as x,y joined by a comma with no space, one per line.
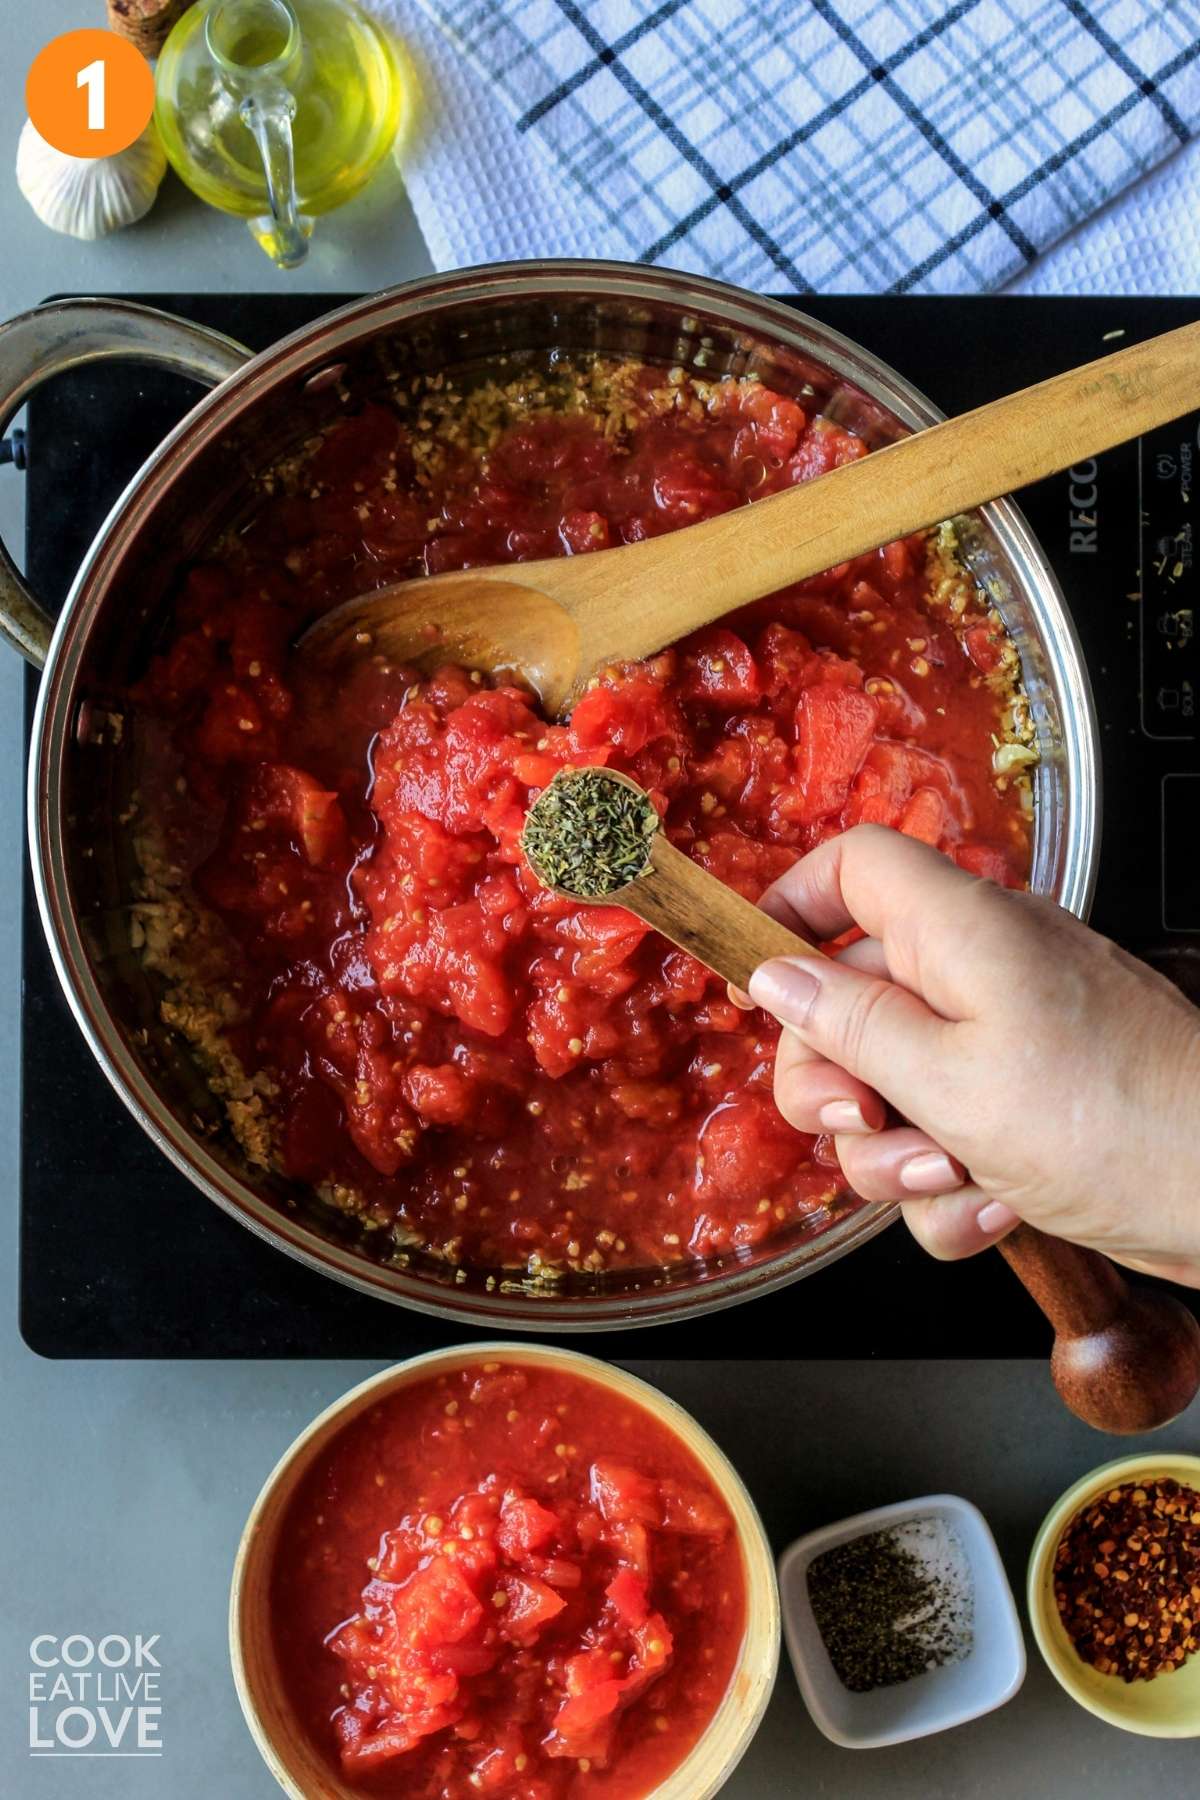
1114,1593
506,1570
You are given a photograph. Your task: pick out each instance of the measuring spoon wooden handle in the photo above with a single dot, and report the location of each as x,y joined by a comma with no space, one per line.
1125,1359
698,912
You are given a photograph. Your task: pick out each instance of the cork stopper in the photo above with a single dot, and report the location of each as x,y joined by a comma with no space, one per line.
145,23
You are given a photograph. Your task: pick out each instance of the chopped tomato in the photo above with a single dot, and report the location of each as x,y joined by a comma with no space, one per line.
835,727
531,1605
436,1606
628,1594
627,718
525,1525
623,1495
292,800
746,1149
360,449
719,668
985,647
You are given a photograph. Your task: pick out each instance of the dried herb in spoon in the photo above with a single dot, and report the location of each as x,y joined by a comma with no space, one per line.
589,833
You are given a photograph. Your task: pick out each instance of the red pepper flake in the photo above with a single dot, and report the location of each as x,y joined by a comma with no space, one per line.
1127,1579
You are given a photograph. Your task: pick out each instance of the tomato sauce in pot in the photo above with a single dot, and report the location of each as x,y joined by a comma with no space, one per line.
474,1068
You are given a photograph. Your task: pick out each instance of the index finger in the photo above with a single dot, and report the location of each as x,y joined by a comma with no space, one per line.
898,890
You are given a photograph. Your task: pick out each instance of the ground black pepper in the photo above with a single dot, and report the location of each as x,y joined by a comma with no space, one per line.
892,1604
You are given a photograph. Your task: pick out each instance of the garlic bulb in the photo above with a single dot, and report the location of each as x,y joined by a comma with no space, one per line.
89,196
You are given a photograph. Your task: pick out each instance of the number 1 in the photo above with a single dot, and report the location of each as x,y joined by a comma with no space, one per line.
92,78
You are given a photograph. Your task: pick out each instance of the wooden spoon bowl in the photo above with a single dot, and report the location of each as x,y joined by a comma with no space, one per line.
491,619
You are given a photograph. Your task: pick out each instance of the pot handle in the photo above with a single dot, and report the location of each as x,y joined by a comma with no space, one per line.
66,334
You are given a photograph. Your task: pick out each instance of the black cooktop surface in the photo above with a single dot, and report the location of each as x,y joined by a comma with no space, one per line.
120,1256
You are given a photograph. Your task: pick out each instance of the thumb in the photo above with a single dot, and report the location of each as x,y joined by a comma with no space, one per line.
872,1027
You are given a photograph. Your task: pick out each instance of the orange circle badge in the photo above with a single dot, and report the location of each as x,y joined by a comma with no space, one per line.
90,93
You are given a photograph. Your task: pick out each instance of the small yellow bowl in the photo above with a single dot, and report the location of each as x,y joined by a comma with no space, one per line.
287,1749
1167,1707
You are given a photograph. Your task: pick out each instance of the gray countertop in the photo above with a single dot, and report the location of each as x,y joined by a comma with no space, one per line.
123,1486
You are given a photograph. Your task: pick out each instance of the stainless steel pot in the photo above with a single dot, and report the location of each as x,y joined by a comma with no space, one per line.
199,479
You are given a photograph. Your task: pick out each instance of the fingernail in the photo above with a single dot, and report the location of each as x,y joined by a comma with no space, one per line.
842,1115
931,1172
786,988
995,1217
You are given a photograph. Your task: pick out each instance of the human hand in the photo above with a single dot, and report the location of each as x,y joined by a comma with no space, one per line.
1045,1075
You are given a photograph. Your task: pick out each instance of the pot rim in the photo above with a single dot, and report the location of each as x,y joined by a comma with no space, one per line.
306,352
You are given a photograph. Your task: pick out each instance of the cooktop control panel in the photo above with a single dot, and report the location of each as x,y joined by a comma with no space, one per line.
1169,652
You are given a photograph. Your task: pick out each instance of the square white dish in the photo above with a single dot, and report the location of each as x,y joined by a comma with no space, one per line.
990,1674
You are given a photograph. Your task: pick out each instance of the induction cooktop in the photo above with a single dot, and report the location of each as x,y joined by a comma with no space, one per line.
120,1256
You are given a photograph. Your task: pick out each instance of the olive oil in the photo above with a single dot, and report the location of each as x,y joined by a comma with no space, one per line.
278,110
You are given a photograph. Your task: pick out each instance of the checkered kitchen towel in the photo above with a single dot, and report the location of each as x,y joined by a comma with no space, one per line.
836,145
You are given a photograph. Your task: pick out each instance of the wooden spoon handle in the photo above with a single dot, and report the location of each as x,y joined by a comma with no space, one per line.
703,916
1125,1359
631,601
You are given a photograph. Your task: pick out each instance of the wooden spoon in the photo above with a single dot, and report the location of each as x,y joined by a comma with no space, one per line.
555,622
1125,1359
